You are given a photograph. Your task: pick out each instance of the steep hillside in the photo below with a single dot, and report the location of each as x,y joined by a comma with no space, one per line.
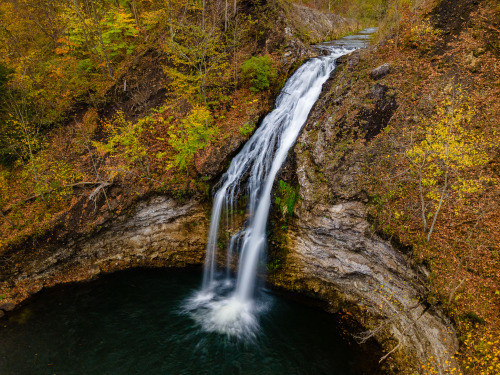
80,146
409,129
153,130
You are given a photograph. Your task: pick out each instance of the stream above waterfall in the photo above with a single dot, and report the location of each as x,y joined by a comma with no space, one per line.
132,322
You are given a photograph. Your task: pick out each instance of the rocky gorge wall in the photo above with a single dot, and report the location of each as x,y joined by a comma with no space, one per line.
333,256
330,250
159,232
331,253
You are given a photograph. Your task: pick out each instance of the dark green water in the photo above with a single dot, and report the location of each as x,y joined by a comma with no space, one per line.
131,323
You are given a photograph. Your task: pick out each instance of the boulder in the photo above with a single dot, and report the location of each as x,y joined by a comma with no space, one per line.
7,306
380,72
378,91
34,289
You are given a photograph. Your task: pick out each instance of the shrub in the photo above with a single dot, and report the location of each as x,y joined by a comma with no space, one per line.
259,72
192,134
127,144
247,129
286,198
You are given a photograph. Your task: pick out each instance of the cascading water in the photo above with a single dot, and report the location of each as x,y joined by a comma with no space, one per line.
222,305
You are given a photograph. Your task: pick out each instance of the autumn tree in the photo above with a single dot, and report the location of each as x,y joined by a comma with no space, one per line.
55,177
446,157
192,134
197,64
126,144
4,194
4,139
100,31
23,131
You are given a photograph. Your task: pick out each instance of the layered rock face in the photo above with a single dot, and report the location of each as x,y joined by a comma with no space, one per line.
334,256
159,232
330,251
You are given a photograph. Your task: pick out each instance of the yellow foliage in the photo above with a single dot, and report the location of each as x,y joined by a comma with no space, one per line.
482,352
449,153
125,143
4,187
51,178
192,134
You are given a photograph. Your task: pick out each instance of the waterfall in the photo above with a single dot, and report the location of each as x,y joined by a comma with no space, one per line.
222,305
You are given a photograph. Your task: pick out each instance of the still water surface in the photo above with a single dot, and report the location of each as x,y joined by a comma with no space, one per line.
133,322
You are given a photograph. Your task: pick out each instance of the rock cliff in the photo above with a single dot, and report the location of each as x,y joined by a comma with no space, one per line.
159,232
330,251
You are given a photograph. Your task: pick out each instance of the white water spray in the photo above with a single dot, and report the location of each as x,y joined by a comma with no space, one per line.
222,305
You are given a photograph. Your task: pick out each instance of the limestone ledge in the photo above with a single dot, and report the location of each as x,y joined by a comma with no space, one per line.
333,256
160,232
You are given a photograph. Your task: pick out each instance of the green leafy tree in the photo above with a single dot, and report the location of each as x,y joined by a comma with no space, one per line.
192,134
259,72
119,32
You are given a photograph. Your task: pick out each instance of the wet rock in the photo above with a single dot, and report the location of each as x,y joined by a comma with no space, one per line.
351,59
380,71
7,306
323,51
34,289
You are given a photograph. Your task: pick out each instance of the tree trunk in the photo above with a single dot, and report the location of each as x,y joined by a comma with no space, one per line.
97,23
443,193
225,17
91,47
204,4
422,202
134,10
